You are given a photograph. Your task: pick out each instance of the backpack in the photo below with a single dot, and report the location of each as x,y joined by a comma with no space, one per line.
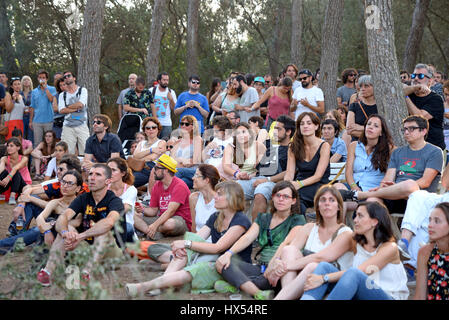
78,93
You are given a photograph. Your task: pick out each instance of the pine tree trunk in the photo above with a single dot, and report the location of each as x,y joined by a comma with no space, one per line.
192,37
384,69
90,49
330,52
295,51
415,35
7,51
154,44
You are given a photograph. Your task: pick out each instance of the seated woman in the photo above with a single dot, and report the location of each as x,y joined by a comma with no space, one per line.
13,170
256,124
194,257
326,240
187,152
308,157
270,229
337,116
148,150
368,158
241,157
376,273
61,149
122,180
27,145
433,258
43,153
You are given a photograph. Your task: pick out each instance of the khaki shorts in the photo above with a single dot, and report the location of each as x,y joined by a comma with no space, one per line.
180,225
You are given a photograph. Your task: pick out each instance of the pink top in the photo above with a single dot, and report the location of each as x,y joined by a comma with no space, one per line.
278,106
26,144
23,172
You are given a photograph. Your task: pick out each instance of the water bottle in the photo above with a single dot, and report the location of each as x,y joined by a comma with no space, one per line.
19,223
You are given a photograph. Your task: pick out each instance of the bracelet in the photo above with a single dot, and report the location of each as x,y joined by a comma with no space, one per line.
353,184
300,184
232,253
269,179
9,174
236,173
48,231
63,231
21,205
151,150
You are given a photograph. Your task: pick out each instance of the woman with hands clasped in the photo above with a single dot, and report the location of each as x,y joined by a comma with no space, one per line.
326,240
377,272
270,229
194,258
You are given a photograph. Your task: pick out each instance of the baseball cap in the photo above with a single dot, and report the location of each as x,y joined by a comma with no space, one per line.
259,79
306,71
167,162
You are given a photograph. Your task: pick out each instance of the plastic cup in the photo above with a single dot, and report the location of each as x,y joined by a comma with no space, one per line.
236,296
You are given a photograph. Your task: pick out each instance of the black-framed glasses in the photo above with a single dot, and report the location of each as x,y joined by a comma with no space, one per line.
269,237
195,81
419,75
170,147
351,75
66,76
67,183
151,128
159,168
409,129
98,122
184,124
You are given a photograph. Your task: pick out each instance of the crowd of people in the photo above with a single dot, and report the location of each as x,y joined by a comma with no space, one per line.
244,180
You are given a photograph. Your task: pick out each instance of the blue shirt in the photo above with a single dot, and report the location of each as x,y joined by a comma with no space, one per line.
202,100
364,173
339,146
2,92
43,108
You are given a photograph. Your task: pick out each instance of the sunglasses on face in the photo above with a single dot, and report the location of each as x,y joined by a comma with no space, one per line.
419,75
184,124
170,147
151,128
302,79
98,122
352,75
67,76
195,82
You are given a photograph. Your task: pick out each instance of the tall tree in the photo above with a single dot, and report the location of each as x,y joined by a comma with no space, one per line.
383,65
192,37
330,51
415,34
7,51
295,50
90,49
154,44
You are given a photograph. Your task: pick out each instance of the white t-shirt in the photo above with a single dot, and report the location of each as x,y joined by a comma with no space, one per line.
74,119
51,168
296,84
216,154
129,197
313,95
162,105
247,99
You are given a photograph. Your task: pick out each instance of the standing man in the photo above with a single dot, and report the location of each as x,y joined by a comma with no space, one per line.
132,84
248,98
268,82
164,102
41,111
291,71
73,104
193,103
307,97
4,80
345,92
424,102
139,100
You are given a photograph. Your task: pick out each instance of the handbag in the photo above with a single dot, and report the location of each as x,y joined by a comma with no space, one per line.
136,164
4,130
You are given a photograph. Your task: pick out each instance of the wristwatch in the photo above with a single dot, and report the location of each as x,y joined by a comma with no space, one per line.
325,279
188,244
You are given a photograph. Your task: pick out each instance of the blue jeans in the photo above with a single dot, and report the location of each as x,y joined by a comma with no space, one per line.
29,236
353,285
31,211
28,134
141,177
186,175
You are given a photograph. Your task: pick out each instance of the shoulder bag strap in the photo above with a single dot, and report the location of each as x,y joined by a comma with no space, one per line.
336,232
363,110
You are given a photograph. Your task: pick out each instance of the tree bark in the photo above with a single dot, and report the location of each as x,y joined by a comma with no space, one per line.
154,44
90,49
330,52
383,65
415,35
192,37
295,50
7,51
275,51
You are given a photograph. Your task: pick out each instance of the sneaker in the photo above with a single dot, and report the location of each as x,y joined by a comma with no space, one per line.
154,292
222,286
12,201
85,278
403,250
132,290
44,278
348,195
264,295
411,279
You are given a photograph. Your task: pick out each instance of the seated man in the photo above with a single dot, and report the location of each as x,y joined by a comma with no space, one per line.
272,166
169,197
96,212
102,145
330,131
415,166
234,117
222,133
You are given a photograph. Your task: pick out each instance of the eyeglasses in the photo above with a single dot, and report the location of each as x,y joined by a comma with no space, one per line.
67,183
151,128
419,75
98,122
159,168
186,124
283,196
170,147
269,237
67,76
198,176
302,79
409,129
195,82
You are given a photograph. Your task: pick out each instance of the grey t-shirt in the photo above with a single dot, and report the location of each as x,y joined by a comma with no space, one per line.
247,99
121,97
345,93
410,164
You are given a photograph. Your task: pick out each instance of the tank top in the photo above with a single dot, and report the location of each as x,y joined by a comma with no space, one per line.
306,169
314,244
438,275
250,163
278,106
145,146
185,152
392,278
203,212
23,172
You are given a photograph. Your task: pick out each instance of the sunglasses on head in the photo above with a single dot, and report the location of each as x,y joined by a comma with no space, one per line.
419,75
15,78
186,124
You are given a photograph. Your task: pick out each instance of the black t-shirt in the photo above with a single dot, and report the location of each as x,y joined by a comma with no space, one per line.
2,92
92,212
239,219
359,116
434,105
274,161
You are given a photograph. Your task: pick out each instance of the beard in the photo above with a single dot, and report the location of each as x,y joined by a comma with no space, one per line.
305,84
158,178
163,85
239,89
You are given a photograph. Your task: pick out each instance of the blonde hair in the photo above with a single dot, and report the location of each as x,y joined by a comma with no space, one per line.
196,129
31,82
235,198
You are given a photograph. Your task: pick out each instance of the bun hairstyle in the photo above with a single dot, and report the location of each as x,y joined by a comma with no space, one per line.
122,165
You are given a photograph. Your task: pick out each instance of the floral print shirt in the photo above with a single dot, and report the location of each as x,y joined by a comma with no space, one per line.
438,275
144,101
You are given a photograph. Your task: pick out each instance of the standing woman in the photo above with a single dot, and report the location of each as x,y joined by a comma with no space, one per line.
214,91
279,100
122,180
432,275
13,170
148,150
43,153
14,115
187,152
308,160
227,100
377,272
27,89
